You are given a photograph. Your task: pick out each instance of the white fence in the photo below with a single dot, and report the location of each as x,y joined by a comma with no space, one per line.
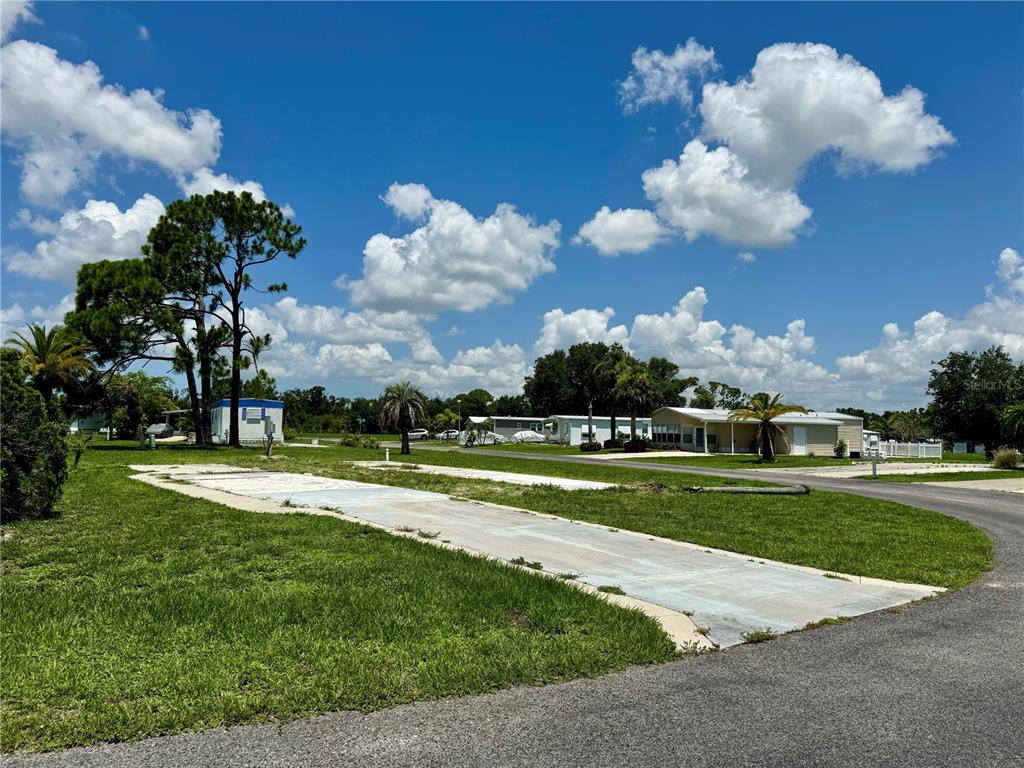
890,449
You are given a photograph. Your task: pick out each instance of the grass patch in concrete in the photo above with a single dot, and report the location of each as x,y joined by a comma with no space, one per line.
141,612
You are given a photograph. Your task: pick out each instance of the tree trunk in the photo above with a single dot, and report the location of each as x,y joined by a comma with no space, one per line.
614,424
236,378
193,400
767,444
404,423
204,428
632,427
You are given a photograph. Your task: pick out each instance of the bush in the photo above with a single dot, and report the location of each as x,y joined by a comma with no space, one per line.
635,446
33,465
357,441
590,447
615,442
1006,458
839,450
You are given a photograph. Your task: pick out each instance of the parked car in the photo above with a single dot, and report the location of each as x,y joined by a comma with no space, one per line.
448,434
419,434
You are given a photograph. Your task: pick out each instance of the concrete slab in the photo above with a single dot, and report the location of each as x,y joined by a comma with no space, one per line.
1011,485
728,593
515,478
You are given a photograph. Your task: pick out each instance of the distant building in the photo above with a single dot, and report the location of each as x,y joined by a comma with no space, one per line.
572,430
89,423
253,416
709,430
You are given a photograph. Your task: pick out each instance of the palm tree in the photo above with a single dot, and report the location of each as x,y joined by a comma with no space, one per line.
1012,420
53,357
606,375
635,390
402,405
763,408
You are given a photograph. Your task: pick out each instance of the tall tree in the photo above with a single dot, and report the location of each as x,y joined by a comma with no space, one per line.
128,314
548,388
764,409
403,406
606,374
249,234
53,357
182,252
969,392
667,382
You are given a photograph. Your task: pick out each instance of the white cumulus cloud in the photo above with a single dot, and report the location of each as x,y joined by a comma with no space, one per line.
203,181
709,192
63,118
561,329
99,230
801,100
15,316
454,260
658,77
12,12
892,374
737,181
628,230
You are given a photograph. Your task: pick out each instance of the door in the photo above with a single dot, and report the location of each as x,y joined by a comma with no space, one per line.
799,441
699,440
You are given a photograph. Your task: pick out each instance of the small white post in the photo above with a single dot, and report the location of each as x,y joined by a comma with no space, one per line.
387,455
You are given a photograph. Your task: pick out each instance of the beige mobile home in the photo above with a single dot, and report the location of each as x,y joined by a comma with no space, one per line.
709,430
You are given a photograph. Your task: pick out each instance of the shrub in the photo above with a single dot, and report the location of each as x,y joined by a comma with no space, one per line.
590,447
635,446
1006,458
357,441
839,450
33,465
615,442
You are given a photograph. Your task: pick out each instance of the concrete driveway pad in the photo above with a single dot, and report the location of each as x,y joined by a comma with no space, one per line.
729,593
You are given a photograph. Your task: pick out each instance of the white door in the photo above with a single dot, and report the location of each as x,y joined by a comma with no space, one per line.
799,441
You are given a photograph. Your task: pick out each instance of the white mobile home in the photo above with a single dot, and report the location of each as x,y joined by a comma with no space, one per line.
253,418
572,430
709,430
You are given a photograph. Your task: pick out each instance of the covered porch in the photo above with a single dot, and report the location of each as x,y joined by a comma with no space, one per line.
688,433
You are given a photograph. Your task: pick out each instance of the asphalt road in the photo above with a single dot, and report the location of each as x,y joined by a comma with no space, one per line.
940,683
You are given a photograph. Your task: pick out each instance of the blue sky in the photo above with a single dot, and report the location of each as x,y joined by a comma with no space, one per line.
863,209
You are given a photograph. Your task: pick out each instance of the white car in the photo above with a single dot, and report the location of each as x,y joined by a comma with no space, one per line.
418,434
448,434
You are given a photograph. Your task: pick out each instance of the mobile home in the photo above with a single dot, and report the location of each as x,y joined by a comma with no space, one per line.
572,430
253,418
709,430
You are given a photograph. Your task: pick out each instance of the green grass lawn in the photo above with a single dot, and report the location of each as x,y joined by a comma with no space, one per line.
832,531
948,477
745,461
141,612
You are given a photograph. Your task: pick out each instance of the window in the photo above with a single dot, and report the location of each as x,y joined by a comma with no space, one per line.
245,413
688,438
